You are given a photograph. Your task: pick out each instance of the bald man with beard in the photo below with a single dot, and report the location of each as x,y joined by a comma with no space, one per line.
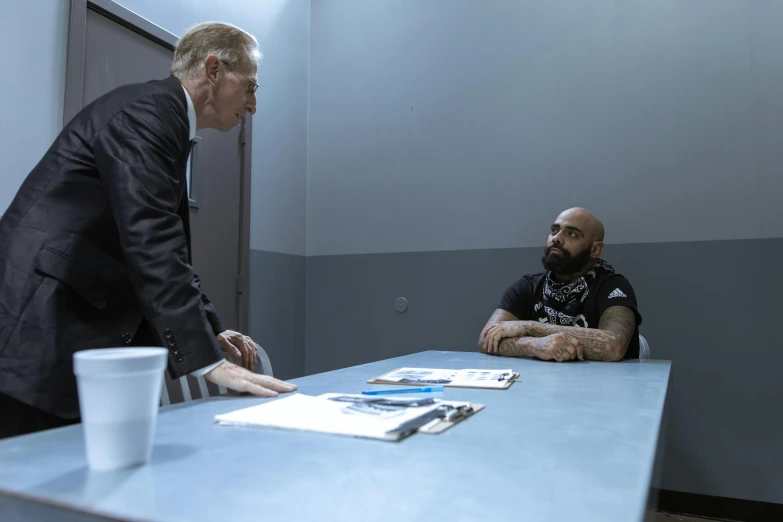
580,308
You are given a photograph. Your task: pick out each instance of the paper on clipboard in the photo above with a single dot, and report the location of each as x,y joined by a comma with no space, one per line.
351,415
468,378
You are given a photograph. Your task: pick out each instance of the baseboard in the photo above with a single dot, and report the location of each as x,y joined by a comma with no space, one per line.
722,508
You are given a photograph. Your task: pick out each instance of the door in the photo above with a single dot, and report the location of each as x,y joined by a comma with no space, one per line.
215,220
118,48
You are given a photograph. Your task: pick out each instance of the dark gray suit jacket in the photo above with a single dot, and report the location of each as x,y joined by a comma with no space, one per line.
95,247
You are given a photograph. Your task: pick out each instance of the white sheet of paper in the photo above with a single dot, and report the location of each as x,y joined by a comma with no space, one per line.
320,414
489,378
469,377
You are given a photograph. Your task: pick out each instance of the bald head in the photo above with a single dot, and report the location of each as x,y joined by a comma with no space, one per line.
576,240
582,219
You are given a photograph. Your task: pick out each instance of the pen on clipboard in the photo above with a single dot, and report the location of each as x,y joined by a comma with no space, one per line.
404,390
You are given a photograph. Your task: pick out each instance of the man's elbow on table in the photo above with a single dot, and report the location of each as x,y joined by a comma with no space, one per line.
618,353
613,351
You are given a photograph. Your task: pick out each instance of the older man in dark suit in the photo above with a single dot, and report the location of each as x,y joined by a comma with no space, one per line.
95,247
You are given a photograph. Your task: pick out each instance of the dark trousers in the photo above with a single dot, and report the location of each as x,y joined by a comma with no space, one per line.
18,418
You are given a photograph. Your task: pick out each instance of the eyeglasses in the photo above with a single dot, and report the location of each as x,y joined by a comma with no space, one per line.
251,85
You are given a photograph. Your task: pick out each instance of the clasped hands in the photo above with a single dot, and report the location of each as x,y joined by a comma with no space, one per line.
558,346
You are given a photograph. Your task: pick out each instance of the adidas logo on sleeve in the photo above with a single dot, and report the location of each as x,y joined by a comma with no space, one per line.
617,293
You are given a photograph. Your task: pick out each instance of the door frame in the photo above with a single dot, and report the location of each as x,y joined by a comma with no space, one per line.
74,97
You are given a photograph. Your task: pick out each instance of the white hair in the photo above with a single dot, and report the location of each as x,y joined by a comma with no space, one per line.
231,44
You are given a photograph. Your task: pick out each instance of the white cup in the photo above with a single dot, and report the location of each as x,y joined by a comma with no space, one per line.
119,395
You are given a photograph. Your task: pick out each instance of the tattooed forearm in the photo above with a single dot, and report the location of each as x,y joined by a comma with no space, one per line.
599,346
523,346
606,343
511,347
535,345
498,316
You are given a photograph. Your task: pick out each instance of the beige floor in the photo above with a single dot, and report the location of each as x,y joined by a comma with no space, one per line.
663,517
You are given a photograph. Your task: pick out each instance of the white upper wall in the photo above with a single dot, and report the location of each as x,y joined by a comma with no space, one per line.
33,37
463,124
279,163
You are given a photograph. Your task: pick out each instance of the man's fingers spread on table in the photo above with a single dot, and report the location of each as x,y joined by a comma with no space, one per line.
255,389
272,383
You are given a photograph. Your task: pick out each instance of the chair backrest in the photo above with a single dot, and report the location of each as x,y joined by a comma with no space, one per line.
263,367
644,348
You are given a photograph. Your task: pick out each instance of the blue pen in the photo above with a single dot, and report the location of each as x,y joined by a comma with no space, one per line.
404,390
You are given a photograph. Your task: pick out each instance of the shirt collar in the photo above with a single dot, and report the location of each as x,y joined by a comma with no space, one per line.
191,114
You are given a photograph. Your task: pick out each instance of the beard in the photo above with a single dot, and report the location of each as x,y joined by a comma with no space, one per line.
565,263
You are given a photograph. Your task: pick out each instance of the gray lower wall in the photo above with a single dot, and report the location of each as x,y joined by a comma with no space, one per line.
707,306
277,310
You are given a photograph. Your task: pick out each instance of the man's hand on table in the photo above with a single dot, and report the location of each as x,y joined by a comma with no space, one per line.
497,332
558,347
240,379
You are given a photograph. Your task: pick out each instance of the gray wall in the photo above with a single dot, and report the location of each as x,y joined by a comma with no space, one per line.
277,310
31,97
444,136
454,114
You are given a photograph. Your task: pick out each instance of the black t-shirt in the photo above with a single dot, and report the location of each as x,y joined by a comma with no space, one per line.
525,300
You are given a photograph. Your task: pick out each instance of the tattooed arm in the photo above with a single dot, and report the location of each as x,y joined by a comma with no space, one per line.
497,317
608,342
515,346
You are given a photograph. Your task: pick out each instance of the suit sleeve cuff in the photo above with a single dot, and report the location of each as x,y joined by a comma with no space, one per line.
189,340
205,370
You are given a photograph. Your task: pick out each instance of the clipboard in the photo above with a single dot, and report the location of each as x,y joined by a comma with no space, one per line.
440,425
353,415
509,379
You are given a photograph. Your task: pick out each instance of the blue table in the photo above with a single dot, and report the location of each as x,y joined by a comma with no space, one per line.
567,442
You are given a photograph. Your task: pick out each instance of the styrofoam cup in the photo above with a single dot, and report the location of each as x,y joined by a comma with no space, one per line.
119,395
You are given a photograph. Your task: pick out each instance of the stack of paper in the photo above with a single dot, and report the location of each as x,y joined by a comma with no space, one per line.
499,379
344,414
